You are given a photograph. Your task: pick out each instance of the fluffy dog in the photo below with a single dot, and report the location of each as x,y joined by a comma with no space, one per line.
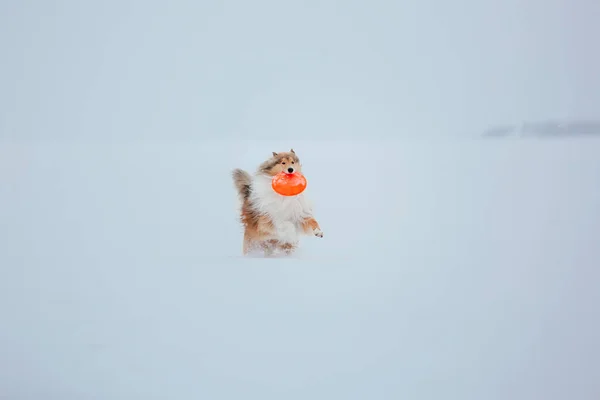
271,221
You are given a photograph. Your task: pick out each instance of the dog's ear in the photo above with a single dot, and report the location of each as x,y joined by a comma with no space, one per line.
274,154
292,151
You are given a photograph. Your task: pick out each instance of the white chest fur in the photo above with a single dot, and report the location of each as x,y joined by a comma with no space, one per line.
286,212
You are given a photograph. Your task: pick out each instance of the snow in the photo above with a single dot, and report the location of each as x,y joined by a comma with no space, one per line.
457,269
453,265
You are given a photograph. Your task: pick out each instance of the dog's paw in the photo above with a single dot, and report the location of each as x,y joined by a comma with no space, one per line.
318,233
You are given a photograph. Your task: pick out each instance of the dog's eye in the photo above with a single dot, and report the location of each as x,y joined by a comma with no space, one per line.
283,163
292,162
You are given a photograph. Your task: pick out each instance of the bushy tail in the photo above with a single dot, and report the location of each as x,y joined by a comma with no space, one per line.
242,180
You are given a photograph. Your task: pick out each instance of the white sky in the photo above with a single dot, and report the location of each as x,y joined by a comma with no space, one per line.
312,69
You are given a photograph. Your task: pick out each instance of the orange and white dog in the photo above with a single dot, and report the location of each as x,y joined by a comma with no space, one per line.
271,221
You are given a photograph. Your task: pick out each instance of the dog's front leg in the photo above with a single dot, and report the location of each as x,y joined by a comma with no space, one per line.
310,225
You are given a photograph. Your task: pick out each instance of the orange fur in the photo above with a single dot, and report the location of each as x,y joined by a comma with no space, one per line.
310,225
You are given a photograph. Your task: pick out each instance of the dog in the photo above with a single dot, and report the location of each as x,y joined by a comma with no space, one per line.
273,222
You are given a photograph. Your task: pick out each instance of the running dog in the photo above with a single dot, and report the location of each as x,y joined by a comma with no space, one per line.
273,222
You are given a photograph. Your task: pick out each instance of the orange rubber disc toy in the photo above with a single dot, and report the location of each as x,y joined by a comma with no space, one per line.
289,184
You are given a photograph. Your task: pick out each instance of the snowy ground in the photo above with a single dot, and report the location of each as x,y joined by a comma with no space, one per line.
448,270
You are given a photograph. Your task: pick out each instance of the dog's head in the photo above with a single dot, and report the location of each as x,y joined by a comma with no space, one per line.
287,162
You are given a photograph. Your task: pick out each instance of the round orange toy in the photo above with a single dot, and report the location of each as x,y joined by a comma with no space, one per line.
289,184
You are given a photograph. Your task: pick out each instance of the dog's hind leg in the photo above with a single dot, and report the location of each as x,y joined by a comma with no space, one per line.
288,248
247,245
265,226
268,247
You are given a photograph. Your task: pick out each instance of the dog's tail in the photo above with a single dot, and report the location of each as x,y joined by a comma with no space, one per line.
242,181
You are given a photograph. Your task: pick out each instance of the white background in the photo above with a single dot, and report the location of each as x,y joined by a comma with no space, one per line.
452,266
